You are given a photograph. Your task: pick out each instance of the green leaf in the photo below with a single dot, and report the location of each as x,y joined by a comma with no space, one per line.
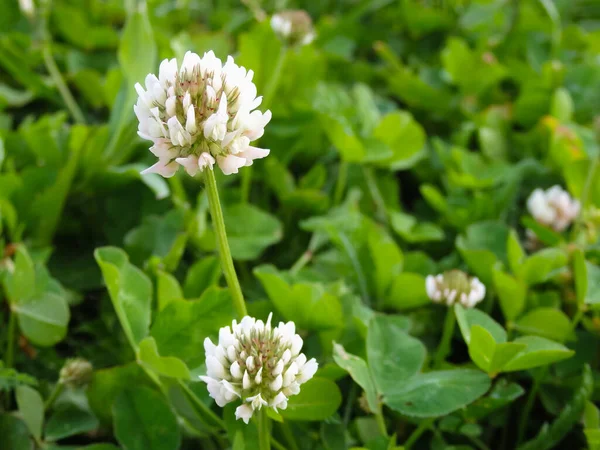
512,293
514,252
10,378
168,289
591,287
130,291
137,49
412,230
44,319
180,328
502,394
404,136
144,421
435,394
483,244
407,292
468,317
392,353
15,435
359,371
387,260
69,420
545,322
542,265
580,275
318,399
204,273
167,366
31,407
537,352
299,301
487,354
107,384
250,230
20,285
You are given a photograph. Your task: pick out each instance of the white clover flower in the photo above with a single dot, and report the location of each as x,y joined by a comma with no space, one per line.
553,208
201,113
454,286
293,27
258,364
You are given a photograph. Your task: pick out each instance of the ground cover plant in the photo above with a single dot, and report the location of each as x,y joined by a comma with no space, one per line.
299,225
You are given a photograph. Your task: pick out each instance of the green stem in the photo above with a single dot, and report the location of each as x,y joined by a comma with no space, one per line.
58,388
264,434
381,211
270,91
206,412
381,422
340,185
350,404
478,443
9,360
529,404
306,257
444,347
423,426
289,436
62,87
224,253
585,194
554,16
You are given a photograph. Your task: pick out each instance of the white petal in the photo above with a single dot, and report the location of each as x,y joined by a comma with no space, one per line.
230,164
190,164
308,371
163,168
244,412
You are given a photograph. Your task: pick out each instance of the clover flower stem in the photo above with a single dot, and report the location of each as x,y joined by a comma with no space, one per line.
585,194
289,436
10,340
58,388
62,87
529,403
270,90
264,434
423,426
224,252
381,422
201,406
444,347
380,210
340,185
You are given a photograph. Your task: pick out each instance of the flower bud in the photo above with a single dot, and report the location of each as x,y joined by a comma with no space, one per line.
454,286
76,372
294,27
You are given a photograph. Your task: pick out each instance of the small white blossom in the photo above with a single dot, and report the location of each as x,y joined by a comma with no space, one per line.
553,208
454,287
199,114
258,364
293,27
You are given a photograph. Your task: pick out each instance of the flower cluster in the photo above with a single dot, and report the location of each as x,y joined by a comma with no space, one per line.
258,364
201,113
293,27
455,286
553,208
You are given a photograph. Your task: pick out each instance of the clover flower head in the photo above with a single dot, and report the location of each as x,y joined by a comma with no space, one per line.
454,286
200,113
258,364
294,27
554,207
76,372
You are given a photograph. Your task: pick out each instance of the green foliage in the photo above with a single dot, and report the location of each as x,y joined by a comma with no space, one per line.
405,142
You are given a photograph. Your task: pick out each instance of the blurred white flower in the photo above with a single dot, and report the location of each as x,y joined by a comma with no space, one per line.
454,286
200,113
553,208
27,8
256,363
294,27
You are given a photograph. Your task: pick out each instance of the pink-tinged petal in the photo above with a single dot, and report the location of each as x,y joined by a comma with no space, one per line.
163,168
230,164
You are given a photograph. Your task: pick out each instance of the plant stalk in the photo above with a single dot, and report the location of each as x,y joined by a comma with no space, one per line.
423,426
9,360
58,388
224,252
264,436
444,348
